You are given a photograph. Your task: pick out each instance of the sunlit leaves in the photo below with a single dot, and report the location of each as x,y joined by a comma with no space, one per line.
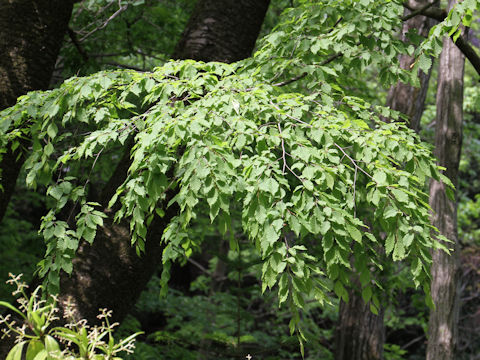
323,184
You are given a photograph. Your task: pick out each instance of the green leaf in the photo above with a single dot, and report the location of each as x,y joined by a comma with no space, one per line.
400,195
389,243
380,178
355,233
13,308
16,352
367,294
51,344
424,63
34,348
408,239
399,251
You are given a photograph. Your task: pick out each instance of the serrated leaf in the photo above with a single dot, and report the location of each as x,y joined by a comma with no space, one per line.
424,63
354,233
389,243
400,195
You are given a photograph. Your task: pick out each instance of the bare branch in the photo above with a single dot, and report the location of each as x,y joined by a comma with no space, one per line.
105,23
73,36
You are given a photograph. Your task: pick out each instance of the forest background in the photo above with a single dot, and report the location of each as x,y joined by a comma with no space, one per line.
337,60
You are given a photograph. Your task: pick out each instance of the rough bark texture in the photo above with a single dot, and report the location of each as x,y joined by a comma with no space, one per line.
360,333
30,38
402,97
216,25
31,34
442,328
109,273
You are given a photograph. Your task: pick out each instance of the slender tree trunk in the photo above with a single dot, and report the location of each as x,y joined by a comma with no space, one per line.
30,38
442,327
110,273
360,333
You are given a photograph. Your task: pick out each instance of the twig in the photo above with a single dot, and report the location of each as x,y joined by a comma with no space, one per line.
286,82
410,343
418,11
198,265
125,66
431,12
354,191
73,36
353,161
105,23
336,23
301,76
283,150
289,116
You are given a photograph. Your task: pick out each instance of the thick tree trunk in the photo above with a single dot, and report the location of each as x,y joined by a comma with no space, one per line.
31,34
216,25
442,327
360,333
30,38
109,273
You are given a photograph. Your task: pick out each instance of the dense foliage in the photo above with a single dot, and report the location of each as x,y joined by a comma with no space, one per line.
324,181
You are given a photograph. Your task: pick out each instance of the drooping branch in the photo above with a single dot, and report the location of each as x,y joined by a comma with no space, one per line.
111,259
440,15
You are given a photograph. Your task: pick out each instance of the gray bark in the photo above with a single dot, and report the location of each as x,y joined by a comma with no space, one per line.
442,328
361,333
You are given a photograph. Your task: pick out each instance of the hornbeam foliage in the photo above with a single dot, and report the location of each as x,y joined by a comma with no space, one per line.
326,187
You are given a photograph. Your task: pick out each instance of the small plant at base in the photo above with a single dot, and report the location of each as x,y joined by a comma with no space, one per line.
42,341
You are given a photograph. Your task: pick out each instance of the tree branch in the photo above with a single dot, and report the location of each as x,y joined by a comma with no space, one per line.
73,36
440,15
420,11
301,76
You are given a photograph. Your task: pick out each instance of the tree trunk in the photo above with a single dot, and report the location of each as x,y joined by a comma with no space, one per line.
109,273
442,327
405,98
30,38
222,30
360,333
